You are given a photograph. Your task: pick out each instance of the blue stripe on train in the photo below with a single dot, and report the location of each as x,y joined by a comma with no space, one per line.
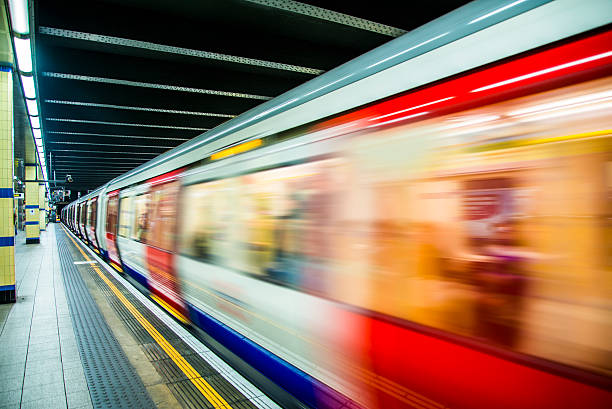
298,383
141,279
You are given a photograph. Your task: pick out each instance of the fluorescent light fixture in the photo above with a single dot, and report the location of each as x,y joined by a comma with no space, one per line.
32,107
545,71
24,54
19,16
35,121
37,133
499,10
29,89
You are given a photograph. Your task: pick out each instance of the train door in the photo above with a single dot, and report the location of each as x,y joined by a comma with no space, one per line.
112,211
132,231
77,219
161,243
92,217
82,221
101,224
88,208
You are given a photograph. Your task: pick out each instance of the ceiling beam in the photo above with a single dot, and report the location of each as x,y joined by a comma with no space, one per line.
84,121
134,108
165,87
145,45
331,16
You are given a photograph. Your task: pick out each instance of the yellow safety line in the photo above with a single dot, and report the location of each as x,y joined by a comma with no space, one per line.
382,383
204,387
170,309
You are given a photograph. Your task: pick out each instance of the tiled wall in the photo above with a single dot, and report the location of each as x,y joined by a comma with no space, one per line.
32,220
7,226
42,206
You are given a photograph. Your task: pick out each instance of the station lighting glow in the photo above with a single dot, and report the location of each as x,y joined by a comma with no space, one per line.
35,122
545,71
24,55
412,108
409,49
20,24
399,119
29,89
565,103
499,10
32,107
19,16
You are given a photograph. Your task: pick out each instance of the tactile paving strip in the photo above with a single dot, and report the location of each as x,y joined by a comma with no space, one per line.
178,382
111,380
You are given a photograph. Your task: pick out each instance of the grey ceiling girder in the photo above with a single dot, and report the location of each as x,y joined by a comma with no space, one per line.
116,152
112,144
332,16
117,136
145,45
125,124
153,85
71,158
133,108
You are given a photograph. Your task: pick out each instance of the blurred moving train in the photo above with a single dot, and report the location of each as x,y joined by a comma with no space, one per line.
425,226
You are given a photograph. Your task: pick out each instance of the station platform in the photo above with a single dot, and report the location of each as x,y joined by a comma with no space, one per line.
81,336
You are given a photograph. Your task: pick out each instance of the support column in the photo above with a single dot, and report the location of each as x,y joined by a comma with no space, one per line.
7,221
42,204
32,193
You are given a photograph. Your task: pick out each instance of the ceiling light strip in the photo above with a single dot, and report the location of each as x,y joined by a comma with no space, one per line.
118,136
112,144
145,45
84,121
153,85
133,108
331,16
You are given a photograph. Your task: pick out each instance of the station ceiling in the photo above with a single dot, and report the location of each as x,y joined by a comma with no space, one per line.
122,81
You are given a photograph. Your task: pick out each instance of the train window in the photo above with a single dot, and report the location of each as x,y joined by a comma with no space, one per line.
88,217
125,217
83,214
163,215
140,223
94,214
111,214
274,224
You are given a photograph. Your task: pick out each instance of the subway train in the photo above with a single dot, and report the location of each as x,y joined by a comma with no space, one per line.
426,226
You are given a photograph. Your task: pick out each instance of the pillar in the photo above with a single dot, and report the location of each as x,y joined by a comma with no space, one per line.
7,225
42,205
32,193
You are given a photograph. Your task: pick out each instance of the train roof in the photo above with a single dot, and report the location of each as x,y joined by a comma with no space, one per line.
476,34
